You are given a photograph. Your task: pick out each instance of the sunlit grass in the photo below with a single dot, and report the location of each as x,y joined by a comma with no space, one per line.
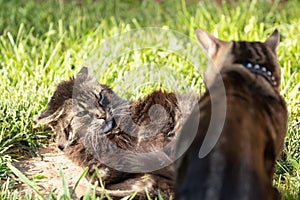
44,42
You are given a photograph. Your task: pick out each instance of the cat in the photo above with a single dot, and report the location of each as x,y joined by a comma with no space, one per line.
97,129
241,163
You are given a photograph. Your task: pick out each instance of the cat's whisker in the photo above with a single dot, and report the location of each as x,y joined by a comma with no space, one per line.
122,114
119,109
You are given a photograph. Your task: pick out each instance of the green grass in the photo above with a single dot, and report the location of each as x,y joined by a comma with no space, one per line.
44,42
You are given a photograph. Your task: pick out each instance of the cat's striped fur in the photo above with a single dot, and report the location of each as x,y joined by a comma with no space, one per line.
241,164
91,138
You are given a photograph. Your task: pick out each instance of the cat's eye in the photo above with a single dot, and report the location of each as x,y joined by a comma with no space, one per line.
100,99
82,113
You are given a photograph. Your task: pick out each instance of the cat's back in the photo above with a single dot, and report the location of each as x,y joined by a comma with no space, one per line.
253,117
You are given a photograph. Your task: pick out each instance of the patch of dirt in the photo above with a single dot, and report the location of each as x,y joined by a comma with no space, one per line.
47,168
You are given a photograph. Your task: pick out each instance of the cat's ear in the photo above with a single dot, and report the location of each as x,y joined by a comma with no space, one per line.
47,117
209,43
60,99
83,74
273,40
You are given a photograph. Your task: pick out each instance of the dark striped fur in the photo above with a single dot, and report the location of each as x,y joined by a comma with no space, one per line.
241,164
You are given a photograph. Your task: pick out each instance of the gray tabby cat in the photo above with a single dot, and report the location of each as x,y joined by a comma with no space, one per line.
120,139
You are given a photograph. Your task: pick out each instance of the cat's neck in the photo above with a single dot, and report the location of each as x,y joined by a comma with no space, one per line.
258,78
262,71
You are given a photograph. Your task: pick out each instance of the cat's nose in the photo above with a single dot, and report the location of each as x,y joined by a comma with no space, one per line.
61,147
101,116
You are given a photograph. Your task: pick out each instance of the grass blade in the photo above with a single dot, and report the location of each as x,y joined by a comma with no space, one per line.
25,180
79,179
65,185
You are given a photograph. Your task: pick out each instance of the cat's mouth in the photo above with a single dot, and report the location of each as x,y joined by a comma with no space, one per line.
108,125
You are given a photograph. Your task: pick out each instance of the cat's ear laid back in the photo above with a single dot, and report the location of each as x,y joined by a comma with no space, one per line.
61,96
47,117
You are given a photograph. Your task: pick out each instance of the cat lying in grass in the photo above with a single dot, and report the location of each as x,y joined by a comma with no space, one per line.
120,139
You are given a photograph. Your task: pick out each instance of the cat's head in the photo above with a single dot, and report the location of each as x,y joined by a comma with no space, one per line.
256,57
74,108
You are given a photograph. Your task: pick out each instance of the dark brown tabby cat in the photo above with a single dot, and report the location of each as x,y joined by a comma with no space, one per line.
241,164
121,139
